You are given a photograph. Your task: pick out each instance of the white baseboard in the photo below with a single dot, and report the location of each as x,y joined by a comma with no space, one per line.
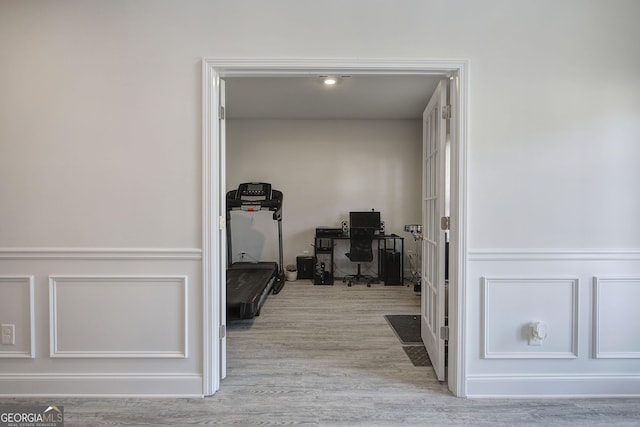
553,386
101,384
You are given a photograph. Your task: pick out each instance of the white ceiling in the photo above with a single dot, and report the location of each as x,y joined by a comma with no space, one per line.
305,97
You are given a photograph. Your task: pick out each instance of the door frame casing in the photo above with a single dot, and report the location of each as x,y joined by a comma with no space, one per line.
213,190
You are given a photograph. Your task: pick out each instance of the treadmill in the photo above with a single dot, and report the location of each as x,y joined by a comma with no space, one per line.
249,283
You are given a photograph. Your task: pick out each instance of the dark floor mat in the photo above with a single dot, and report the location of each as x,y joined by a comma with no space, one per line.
417,354
406,327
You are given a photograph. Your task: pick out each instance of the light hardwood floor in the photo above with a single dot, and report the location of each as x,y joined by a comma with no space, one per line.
325,356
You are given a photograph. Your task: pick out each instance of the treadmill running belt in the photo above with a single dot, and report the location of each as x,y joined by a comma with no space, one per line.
248,284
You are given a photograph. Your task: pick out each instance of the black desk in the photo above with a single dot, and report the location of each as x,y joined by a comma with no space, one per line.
390,250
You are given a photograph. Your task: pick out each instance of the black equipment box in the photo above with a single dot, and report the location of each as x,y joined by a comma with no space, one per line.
304,264
328,232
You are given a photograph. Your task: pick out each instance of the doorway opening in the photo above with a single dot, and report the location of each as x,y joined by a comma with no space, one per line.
214,190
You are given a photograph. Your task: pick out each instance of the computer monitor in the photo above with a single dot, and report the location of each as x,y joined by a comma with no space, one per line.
369,219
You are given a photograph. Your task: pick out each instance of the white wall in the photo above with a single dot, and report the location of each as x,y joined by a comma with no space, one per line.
325,168
100,147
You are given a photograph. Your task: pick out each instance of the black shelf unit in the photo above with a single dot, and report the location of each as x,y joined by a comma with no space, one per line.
323,259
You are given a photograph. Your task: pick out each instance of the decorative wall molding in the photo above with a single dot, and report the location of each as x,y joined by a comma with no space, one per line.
251,67
109,327
616,317
121,254
562,385
554,255
491,293
30,352
82,384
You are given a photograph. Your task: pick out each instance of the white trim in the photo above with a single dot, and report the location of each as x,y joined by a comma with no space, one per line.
518,386
211,250
55,352
82,354
101,384
597,290
459,201
554,255
254,67
31,352
213,68
76,254
486,311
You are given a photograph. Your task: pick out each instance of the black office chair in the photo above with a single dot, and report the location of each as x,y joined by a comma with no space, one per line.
360,241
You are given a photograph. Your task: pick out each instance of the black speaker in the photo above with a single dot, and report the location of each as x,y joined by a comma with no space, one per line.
304,264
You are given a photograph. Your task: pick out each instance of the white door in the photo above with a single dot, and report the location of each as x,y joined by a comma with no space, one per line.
222,126
433,187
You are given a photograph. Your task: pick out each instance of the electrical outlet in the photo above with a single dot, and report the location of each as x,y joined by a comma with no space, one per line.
8,334
537,333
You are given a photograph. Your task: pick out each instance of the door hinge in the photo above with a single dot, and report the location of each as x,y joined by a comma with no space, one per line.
446,111
221,223
223,331
444,333
445,223
221,112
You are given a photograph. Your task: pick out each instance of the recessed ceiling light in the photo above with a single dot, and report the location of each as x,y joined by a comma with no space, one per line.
331,80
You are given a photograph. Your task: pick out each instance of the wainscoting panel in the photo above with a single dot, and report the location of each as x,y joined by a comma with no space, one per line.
511,305
102,321
118,316
589,301
616,332
17,308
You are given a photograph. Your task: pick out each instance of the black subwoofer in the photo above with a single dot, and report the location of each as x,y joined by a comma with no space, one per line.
304,264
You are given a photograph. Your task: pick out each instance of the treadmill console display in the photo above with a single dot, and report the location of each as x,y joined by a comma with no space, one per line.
255,196
253,191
